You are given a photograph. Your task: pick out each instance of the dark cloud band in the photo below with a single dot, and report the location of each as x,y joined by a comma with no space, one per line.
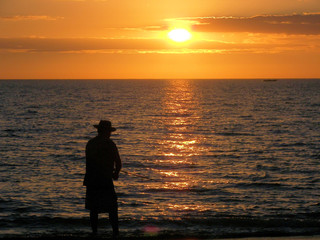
308,24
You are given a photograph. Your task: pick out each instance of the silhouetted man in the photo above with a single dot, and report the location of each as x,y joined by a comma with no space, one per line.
103,164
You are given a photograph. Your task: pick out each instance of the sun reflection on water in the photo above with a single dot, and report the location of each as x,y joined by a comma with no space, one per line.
189,207
180,119
181,143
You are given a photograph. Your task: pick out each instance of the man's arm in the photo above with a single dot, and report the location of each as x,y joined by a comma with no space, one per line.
88,167
118,164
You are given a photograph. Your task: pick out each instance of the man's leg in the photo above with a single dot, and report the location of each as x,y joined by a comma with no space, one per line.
113,218
94,221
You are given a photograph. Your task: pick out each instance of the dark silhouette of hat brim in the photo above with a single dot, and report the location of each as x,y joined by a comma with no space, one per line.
111,129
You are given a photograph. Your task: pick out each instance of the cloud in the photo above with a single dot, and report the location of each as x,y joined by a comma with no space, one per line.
30,18
134,46
78,44
301,24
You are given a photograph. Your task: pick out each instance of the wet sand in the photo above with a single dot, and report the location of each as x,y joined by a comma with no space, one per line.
277,238
158,238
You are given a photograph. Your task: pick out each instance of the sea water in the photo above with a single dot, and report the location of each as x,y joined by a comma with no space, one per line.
202,158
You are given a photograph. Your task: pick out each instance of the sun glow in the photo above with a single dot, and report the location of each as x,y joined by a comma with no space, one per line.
179,35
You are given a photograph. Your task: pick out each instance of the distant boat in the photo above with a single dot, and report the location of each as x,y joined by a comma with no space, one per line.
270,80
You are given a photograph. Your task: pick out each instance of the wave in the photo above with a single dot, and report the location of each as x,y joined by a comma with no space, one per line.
213,227
265,185
221,220
234,134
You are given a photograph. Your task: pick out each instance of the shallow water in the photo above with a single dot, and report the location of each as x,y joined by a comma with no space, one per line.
200,157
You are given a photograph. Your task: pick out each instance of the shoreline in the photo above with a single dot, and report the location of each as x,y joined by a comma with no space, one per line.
159,237
164,238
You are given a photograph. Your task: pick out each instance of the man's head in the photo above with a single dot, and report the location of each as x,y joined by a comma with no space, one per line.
104,127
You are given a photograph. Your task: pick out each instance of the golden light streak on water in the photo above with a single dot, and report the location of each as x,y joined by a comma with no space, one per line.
181,113
189,207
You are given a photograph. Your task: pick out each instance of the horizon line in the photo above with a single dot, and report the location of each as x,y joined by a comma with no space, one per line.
259,78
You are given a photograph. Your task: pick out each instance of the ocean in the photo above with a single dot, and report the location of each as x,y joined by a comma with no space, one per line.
201,158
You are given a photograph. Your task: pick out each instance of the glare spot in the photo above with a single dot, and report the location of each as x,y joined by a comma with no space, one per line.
179,35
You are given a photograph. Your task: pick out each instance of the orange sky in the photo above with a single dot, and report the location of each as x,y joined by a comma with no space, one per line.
87,39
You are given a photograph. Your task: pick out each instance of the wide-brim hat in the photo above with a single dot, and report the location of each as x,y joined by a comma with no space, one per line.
105,125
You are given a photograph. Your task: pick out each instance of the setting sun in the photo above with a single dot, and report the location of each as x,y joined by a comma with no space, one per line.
179,35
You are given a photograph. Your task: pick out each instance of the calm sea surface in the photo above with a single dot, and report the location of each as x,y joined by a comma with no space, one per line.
206,158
